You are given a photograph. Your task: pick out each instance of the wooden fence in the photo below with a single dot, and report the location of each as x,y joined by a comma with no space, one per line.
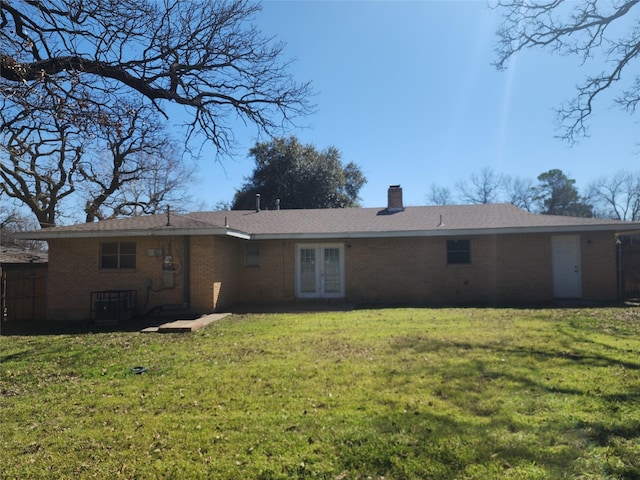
630,267
23,291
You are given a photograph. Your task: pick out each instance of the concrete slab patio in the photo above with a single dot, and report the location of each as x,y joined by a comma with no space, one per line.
186,326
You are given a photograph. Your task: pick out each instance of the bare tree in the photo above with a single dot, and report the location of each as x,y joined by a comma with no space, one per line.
39,155
203,55
439,195
80,77
8,217
164,181
617,196
13,221
131,168
48,156
590,29
519,192
481,187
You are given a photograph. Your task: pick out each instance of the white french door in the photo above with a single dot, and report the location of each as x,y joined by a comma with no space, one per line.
320,270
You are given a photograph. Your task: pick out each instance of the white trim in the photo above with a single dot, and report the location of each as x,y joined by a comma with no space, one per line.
566,263
47,234
444,233
238,234
147,232
319,270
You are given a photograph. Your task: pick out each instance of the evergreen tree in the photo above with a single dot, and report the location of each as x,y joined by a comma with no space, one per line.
299,176
557,195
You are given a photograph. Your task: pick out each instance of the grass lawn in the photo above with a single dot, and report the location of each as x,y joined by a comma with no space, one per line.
368,394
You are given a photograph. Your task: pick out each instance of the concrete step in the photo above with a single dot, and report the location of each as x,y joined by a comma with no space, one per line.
186,326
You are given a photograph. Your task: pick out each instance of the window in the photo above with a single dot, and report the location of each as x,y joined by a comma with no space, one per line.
252,255
118,255
458,252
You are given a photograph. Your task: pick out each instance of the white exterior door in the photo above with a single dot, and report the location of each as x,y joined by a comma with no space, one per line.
567,266
320,270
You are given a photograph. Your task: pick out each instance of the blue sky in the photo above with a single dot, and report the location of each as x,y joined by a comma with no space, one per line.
407,91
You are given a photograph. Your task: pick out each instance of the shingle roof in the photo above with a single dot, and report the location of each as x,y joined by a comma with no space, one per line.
341,223
16,254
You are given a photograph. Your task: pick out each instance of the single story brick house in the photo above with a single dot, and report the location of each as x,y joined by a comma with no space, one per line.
209,261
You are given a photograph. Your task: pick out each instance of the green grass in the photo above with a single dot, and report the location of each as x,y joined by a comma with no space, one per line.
393,394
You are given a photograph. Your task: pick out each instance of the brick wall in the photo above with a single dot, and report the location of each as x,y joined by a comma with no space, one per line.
274,280
503,269
414,270
599,280
74,272
215,267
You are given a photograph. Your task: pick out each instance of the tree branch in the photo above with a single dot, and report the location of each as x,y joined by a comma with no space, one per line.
580,28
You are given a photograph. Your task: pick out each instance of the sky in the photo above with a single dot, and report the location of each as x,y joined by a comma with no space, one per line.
407,91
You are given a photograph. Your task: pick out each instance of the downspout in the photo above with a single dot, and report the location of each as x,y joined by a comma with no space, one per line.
186,297
619,255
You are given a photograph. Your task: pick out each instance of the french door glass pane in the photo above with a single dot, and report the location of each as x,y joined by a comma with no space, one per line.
332,270
307,270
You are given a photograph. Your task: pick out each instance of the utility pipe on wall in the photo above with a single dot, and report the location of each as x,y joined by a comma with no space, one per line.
186,270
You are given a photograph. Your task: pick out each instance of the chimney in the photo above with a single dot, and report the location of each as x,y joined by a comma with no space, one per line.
394,203
257,202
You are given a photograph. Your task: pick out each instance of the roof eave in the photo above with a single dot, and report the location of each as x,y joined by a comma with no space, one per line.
148,232
630,228
449,232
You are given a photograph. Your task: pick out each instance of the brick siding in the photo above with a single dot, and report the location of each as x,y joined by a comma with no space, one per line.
74,272
599,280
274,280
503,269
215,266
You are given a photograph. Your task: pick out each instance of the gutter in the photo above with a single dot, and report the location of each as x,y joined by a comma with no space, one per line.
451,232
186,270
626,229
44,235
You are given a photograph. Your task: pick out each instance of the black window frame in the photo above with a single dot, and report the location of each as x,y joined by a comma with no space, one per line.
459,251
252,259
118,256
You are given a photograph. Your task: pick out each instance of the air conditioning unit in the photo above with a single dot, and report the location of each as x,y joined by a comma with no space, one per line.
112,306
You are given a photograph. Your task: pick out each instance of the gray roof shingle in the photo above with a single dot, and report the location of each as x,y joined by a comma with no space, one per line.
347,222
16,254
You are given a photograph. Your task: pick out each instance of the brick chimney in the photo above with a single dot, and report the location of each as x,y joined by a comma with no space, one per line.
394,203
